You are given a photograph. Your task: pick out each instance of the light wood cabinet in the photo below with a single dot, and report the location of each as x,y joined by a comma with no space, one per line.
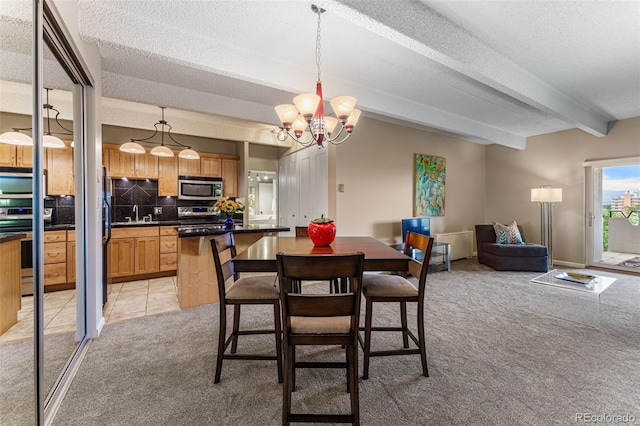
210,166
10,298
121,257
188,167
168,176
168,248
60,171
55,257
16,156
230,177
134,251
71,256
124,164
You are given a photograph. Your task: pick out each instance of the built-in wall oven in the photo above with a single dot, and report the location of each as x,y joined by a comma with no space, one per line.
199,188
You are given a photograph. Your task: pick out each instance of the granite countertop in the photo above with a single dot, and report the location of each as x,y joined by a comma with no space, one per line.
206,230
5,237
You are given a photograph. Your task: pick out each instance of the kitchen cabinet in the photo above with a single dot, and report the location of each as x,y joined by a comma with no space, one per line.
16,156
71,256
10,297
167,176
59,165
168,248
55,257
210,166
188,167
134,251
230,177
124,164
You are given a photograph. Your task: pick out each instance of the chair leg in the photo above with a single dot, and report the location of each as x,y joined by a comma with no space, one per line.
278,333
403,319
422,340
352,353
236,328
367,338
287,386
222,334
293,368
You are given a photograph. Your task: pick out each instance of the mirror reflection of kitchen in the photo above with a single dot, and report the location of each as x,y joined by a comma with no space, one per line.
262,200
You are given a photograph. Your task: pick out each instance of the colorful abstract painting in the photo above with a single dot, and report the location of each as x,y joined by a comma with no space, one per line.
429,185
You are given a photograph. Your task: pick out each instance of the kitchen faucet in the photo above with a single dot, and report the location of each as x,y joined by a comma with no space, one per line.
135,210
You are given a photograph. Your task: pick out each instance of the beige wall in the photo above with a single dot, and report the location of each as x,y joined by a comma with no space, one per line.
376,167
553,159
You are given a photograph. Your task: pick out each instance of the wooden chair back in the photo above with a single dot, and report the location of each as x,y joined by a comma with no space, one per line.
424,244
302,231
224,247
321,268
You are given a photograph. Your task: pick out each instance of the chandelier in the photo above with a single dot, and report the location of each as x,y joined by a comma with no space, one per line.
307,112
16,137
133,147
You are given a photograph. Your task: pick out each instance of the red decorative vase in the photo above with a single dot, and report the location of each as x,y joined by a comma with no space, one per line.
322,234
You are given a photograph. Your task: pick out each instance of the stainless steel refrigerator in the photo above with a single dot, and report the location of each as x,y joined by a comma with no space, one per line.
107,217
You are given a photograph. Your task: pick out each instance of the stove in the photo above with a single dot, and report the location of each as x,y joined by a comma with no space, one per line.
198,219
199,229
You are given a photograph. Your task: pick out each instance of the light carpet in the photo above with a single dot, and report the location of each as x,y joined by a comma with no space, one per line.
501,351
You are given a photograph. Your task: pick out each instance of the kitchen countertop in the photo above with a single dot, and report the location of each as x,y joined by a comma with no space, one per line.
5,237
206,230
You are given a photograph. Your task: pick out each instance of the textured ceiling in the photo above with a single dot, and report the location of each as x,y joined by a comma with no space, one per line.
491,71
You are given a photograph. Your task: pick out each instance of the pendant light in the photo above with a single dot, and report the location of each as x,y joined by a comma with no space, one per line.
48,139
161,150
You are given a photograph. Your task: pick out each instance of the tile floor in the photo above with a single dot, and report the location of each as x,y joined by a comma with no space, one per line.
126,300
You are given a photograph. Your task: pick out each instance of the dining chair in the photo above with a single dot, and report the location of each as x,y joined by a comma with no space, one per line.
396,288
320,319
250,290
334,284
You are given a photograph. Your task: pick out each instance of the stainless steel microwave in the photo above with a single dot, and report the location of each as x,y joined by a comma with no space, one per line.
199,188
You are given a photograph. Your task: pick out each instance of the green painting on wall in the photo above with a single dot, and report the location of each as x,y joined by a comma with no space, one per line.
429,179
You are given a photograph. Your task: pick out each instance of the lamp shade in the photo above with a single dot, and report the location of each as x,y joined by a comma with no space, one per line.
161,151
307,104
16,138
287,114
189,154
330,124
132,148
546,195
50,141
342,106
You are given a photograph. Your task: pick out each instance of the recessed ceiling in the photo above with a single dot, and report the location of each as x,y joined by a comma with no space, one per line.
490,71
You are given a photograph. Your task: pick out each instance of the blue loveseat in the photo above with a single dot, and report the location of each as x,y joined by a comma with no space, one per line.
509,257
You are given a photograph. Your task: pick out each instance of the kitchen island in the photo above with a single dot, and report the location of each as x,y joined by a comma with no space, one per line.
10,292
196,276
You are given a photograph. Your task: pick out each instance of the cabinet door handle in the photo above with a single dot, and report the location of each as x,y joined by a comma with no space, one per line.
169,245
54,254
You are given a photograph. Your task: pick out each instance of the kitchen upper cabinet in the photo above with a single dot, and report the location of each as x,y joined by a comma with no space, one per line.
230,177
16,156
188,167
210,166
59,165
124,164
168,176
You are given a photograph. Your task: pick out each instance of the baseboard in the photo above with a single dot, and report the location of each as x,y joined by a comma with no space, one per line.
569,264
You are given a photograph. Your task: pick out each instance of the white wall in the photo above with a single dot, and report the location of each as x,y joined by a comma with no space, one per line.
376,167
553,159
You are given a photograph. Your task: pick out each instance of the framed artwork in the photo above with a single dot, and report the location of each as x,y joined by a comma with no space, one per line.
429,180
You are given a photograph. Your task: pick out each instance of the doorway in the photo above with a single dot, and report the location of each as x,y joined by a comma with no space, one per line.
613,210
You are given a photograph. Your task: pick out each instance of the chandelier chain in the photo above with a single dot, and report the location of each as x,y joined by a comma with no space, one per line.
318,44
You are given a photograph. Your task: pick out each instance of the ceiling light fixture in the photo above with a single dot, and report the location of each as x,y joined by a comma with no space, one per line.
133,147
308,111
48,140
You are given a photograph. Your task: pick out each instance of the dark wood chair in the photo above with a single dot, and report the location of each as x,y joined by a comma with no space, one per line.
320,319
395,288
250,290
334,285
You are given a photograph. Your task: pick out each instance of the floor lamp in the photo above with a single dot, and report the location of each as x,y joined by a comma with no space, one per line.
546,196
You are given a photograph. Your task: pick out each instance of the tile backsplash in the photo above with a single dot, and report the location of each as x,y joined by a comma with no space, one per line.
143,193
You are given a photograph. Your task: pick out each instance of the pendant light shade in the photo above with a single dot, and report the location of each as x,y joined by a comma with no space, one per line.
132,148
50,141
189,154
16,138
162,151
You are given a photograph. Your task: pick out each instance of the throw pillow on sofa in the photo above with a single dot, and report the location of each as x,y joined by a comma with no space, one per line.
507,234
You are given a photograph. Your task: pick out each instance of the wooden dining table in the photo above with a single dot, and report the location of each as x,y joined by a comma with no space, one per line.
261,255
